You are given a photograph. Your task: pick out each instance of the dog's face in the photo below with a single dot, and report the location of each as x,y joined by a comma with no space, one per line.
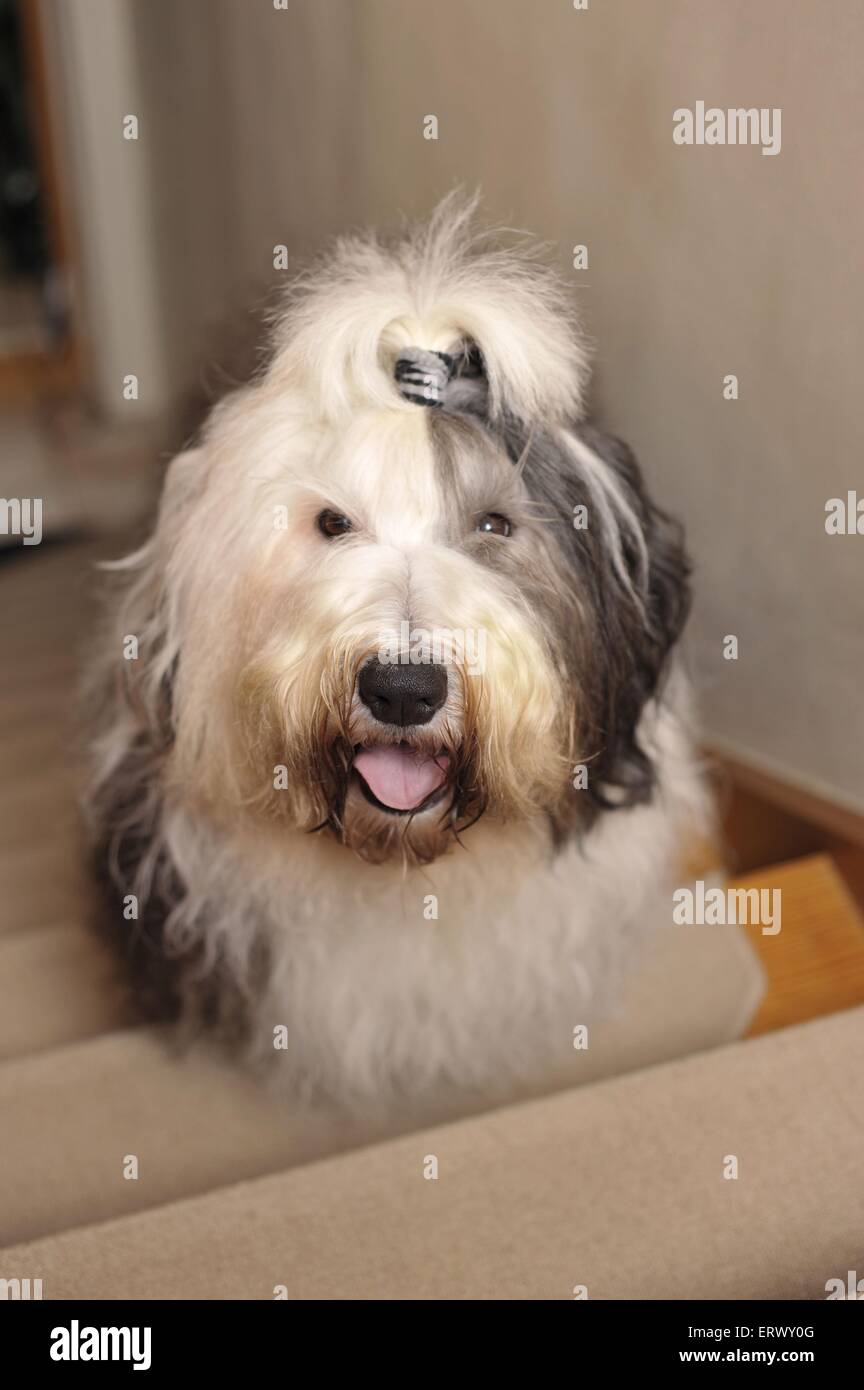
379,609
379,648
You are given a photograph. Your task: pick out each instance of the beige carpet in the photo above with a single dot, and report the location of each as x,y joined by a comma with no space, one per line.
616,1188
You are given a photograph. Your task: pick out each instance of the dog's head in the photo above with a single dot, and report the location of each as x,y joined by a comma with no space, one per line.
398,585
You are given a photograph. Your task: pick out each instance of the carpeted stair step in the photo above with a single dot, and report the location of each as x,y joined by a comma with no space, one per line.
621,1190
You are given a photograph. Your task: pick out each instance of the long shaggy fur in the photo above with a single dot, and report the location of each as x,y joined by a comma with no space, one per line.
456,945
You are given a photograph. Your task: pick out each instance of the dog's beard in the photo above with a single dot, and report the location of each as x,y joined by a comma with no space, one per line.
311,740
440,770
487,756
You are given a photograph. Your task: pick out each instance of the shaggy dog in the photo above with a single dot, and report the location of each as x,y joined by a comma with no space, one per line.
392,775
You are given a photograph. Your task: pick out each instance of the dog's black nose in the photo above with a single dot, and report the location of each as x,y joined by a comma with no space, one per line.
398,694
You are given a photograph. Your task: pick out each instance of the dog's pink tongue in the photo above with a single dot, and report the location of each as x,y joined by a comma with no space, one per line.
400,777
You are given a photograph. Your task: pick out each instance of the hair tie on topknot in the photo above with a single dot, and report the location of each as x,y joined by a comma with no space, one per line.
454,381
423,375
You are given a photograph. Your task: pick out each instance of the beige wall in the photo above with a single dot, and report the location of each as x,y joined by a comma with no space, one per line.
95,78
273,126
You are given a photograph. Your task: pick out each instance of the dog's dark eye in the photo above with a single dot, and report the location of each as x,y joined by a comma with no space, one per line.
332,524
494,524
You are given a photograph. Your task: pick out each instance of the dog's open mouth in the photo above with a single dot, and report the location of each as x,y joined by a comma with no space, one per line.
399,778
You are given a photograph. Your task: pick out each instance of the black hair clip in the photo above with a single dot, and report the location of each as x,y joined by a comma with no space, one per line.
423,375
428,377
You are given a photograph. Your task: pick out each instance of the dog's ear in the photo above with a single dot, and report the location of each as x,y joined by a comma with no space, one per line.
639,625
628,579
131,691
145,611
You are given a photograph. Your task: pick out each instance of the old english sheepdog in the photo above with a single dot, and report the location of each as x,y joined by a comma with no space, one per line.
393,769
